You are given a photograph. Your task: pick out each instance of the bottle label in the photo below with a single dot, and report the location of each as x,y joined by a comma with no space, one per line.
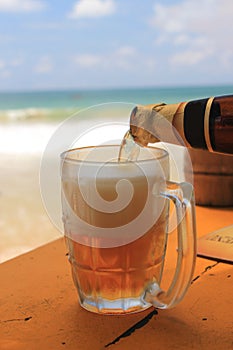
194,116
207,124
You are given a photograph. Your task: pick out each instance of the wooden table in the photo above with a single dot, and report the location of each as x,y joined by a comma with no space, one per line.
39,307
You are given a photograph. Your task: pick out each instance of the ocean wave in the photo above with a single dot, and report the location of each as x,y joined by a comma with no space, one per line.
23,114
34,114
33,138
28,131
25,138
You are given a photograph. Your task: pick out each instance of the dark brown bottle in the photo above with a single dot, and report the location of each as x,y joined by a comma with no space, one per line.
202,124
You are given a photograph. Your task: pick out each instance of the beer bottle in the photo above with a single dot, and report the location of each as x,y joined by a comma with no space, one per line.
202,124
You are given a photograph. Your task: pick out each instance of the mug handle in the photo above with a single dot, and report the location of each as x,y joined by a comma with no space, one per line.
182,196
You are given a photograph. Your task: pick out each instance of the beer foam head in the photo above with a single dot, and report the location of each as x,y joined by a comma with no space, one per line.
114,202
104,162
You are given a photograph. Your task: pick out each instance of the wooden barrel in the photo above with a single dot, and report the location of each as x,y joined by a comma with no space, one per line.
212,177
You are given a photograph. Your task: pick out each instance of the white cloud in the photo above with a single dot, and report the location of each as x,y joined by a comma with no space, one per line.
122,57
126,51
195,30
188,14
21,5
4,71
17,61
87,60
181,39
125,57
2,64
7,66
93,8
44,65
190,57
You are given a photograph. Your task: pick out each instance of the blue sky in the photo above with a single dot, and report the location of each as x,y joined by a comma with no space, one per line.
48,44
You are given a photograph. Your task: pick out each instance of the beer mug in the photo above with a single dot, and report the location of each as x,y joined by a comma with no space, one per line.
116,217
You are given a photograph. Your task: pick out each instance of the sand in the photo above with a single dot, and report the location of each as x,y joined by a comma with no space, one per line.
24,224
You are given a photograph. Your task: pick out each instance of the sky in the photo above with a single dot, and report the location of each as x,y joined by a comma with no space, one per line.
89,44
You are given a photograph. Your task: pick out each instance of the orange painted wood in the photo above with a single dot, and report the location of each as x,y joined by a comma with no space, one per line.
39,307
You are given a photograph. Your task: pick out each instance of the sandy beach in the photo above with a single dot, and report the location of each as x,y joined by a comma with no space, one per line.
24,224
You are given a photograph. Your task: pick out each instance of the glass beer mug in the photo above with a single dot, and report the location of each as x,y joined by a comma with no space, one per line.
115,217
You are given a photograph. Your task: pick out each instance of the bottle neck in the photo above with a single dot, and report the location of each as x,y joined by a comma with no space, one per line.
202,124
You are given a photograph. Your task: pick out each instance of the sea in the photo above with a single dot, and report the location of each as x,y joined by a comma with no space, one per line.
29,118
